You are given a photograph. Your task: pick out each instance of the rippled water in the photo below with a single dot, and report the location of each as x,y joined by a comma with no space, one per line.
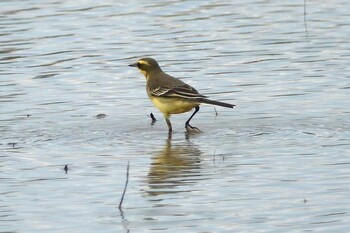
279,162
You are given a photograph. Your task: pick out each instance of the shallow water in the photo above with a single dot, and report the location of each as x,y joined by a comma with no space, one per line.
278,162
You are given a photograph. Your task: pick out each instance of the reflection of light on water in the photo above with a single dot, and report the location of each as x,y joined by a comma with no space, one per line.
172,167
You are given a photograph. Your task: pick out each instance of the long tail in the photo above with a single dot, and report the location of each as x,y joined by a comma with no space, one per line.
218,103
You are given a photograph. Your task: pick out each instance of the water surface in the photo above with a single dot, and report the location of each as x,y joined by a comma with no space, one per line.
278,162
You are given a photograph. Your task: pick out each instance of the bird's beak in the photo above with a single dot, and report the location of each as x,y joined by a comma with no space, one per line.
133,65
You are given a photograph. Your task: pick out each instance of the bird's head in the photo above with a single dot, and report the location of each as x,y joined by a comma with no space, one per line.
146,66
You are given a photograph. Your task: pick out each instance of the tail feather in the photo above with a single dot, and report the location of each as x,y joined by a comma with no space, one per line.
218,103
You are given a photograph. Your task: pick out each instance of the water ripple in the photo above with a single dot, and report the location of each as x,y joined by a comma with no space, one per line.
69,98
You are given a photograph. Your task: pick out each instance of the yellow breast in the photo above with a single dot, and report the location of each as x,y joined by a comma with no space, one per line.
173,105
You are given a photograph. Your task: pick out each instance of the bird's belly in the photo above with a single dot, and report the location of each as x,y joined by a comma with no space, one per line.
173,105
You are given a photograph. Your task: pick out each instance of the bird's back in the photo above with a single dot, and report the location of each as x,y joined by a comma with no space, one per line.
162,79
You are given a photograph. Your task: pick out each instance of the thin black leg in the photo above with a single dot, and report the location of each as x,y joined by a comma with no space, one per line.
188,127
169,125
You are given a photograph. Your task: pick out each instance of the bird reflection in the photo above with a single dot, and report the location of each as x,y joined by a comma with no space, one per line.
173,167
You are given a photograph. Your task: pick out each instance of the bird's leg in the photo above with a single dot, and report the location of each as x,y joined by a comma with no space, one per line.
189,128
169,125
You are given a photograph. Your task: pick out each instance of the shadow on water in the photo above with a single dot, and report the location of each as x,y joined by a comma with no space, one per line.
173,167
124,221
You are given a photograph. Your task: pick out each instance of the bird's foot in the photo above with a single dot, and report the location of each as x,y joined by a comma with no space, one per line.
153,118
192,130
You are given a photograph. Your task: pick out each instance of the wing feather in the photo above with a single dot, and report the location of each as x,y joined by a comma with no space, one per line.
186,92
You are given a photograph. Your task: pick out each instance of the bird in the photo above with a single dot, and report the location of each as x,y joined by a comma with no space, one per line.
171,95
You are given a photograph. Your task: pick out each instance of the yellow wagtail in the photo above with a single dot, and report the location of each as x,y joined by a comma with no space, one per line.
171,95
